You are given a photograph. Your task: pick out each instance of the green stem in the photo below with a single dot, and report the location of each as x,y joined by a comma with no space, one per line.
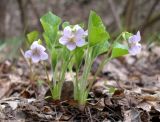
105,60
55,73
87,68
31,71
82,90
62,76
44,65
98,71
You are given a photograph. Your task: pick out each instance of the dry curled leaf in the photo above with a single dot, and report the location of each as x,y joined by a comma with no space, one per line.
132,115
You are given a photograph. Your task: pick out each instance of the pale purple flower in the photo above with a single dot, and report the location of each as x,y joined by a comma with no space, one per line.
135,46
36,53
135,49
73,37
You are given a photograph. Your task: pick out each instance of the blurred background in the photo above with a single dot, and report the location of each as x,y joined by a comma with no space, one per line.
18,17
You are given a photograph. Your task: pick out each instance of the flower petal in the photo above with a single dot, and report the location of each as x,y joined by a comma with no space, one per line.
41,48
135,49
28,54
67,32
63,40
34,45
133,39
138,36
80,33
44,56
71,46
80,42
35,59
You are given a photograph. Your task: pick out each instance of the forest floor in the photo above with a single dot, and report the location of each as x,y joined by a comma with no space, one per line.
128,89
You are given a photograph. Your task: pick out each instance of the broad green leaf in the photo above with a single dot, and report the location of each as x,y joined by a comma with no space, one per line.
96,30
99,49
32,36
50,23
126,35
119,50
47,40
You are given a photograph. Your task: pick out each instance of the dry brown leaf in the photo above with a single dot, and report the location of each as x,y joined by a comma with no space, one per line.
156,105
137,90
150,97
13,104
145,106
115,67
4,87
132,115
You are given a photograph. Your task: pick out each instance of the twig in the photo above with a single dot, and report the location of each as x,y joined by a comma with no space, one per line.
9,99
22,8
152,21
130,10
35,10
3,8
149,15
115,14
32,75
48,79
90,116
22,52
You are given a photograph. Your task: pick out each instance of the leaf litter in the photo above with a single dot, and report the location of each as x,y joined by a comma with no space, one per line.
127,89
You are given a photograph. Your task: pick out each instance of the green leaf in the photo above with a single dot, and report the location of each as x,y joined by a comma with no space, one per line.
32,36
126,35
50,23
119,50
99,49
96,30
112,90
63,53
47,40
40,82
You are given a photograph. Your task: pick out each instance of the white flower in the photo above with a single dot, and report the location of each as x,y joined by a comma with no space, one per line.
73,37
37,52
135,46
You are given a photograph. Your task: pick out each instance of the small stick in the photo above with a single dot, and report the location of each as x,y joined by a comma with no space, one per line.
90,114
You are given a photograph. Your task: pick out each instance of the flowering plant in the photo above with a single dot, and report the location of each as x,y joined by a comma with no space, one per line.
36,53
73,37
70,47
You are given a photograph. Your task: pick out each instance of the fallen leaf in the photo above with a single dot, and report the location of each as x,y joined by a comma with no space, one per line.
132,115
13,104
4,87
145,106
